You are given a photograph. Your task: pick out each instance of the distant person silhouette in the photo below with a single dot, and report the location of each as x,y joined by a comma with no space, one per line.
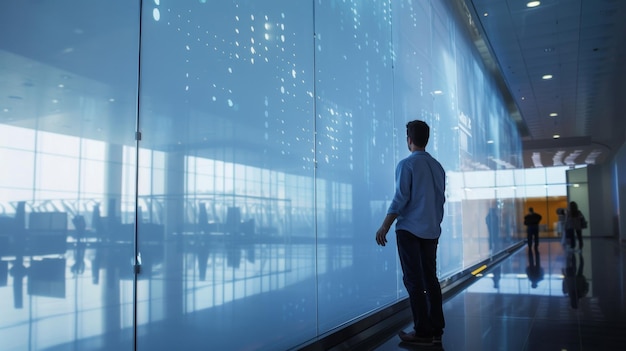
560,225
531,221
18,271
573,225
79,258
493,227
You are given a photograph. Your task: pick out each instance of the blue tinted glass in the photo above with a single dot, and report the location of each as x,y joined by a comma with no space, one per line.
355,159
227,233
68,111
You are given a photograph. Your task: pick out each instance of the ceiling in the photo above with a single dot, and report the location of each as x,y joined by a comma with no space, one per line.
581,44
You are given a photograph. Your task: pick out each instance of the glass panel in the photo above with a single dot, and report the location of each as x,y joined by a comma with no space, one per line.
535,191
354,158
520,176
535,176
18,171
480,179
67,108
556,175
226,187
554,190
505,177
439,78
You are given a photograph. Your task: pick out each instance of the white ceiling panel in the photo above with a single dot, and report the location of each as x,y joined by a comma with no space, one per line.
582,43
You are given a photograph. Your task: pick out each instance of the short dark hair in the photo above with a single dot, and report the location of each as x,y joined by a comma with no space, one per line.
419,132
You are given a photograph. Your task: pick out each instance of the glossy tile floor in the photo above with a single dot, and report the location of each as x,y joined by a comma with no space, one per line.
571,300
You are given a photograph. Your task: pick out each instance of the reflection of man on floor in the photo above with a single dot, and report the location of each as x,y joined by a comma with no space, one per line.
531,221
534,272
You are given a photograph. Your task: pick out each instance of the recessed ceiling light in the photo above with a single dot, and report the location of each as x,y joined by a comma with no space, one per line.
485,14
546,76
554,114
548,49
556,136
533,3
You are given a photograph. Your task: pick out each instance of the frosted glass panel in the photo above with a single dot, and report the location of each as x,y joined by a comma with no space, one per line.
536,191
505,177
67,110
227,235
535,176
556,175
443,82
353,186
480,179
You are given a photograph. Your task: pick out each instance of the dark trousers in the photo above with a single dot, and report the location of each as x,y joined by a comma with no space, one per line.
569,236
533,235
418,258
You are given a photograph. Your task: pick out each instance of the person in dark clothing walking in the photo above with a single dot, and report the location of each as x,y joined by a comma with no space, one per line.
531,221
418,206
574,224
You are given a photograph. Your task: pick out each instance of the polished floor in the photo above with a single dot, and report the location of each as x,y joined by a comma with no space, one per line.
553,299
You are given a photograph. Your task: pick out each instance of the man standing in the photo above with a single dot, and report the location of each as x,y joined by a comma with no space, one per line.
531,220
418,206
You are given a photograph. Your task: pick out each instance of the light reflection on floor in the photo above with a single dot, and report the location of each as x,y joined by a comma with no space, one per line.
574,306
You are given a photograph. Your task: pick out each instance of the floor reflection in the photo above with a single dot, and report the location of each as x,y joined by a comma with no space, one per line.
550,299
89,289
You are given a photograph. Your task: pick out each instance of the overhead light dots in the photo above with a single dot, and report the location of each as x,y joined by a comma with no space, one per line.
156,13
532,4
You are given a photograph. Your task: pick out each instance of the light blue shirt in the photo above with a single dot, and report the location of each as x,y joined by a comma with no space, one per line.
420,195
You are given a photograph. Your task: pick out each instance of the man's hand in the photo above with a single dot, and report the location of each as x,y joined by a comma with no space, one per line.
381,236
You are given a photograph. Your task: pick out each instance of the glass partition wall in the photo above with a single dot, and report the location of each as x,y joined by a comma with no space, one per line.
193,174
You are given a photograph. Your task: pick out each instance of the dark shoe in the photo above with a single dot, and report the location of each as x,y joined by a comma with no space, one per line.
416,340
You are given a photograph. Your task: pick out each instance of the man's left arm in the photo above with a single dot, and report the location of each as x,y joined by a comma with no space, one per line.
381,233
